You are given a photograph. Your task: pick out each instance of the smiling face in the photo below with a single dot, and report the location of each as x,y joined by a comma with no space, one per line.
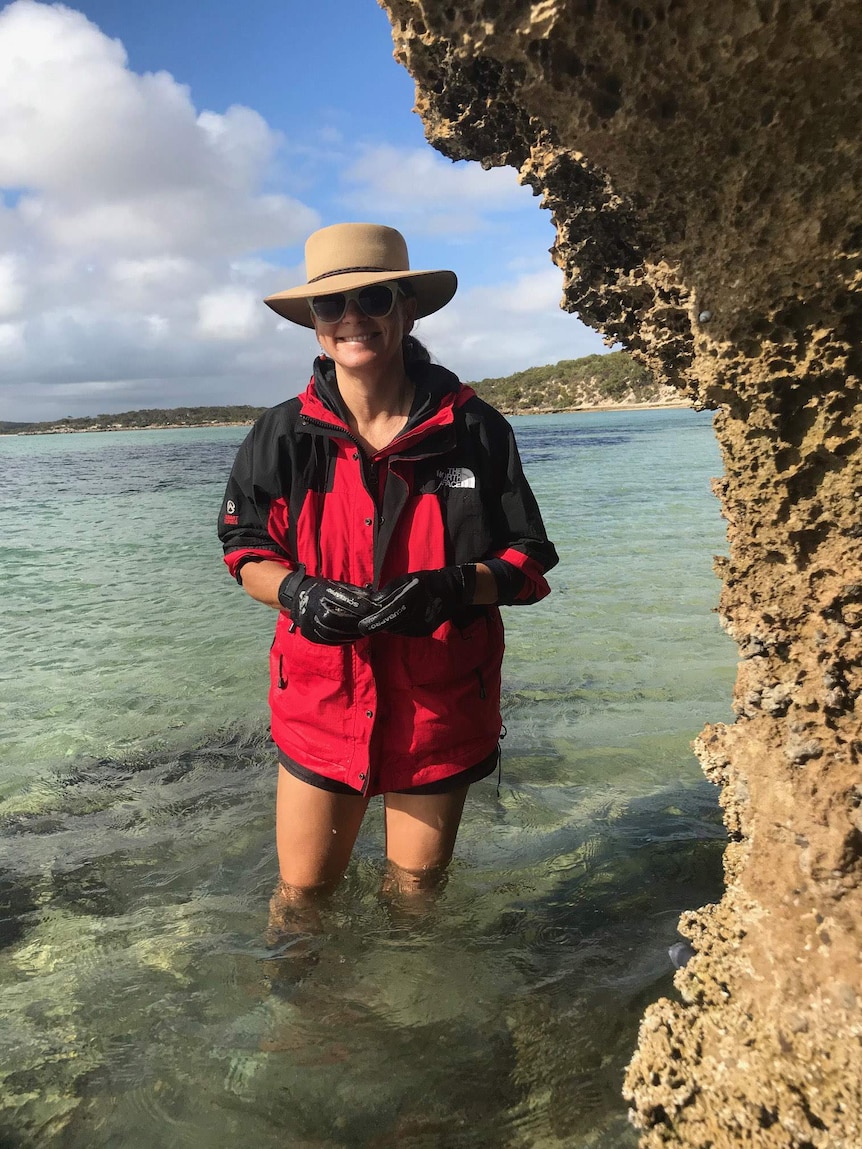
362,345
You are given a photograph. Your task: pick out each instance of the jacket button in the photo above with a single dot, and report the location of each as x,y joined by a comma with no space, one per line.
369,713
368,522
355,454
362,777
366,586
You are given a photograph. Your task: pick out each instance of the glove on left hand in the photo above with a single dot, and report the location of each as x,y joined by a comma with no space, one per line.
326,611
416,604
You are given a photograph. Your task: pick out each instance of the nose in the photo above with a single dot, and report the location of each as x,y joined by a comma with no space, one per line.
353,310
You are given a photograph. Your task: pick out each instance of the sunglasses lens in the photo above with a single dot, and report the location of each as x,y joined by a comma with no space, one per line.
377,300
329,308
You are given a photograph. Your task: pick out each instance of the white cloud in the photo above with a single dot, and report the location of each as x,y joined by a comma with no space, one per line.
134,232
533,292
131,223
439,196
230,313
11,289
11,343
492,331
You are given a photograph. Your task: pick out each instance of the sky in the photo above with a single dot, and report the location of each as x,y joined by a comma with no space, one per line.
161,166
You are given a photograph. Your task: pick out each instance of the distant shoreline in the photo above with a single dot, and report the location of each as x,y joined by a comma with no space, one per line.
114,430
508,412
674,406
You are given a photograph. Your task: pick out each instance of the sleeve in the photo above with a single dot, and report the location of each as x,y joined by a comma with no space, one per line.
520,538
251,503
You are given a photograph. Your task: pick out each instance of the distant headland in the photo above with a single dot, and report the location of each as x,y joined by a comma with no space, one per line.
594,382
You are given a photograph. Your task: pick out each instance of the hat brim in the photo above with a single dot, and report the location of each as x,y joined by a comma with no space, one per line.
432,289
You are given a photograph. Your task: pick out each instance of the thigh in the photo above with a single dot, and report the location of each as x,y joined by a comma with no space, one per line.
421,828
315,832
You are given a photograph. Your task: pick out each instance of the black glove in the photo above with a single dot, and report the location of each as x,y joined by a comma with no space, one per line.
416,604
327,612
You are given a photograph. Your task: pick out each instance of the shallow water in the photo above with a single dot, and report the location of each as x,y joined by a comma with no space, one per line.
140,1002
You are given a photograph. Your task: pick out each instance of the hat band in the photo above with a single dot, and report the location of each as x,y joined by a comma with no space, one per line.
348,271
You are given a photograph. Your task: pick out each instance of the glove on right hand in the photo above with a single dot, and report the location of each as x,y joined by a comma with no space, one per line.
416,604
326,611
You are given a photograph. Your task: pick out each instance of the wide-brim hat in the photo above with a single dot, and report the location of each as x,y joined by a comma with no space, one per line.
346,256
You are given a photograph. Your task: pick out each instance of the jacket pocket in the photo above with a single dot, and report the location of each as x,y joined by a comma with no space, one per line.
293,656
450,654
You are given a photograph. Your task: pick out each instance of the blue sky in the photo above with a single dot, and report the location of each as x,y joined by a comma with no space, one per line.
161,165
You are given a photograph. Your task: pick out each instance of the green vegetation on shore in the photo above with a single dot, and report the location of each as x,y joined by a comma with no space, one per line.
149,417
594,381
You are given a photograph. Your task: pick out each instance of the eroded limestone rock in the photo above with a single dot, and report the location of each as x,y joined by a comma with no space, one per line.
702,166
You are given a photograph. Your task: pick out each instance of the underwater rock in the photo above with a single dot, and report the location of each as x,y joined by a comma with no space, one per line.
702,167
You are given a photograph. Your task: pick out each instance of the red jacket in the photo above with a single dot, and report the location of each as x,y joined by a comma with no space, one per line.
386,712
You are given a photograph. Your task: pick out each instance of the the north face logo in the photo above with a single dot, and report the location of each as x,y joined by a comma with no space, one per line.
456,477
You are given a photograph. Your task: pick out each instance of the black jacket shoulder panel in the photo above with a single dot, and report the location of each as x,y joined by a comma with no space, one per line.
279,419
496,425
258,476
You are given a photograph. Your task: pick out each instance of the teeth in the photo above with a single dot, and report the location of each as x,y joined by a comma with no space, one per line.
355,338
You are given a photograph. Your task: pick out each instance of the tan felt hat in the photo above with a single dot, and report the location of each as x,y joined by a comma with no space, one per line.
350,255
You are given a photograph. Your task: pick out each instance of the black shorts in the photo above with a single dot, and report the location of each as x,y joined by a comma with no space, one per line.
443,786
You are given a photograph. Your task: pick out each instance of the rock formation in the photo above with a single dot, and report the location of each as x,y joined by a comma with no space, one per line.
701,162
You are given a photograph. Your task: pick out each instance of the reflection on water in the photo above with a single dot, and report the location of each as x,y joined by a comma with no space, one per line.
142,1002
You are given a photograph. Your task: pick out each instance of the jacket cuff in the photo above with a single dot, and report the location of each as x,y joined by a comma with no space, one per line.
535,586
510,581
235,559
288,587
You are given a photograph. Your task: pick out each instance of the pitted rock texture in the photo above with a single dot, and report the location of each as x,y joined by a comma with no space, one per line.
702,166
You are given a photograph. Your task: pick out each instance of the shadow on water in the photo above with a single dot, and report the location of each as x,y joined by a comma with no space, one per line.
143,1006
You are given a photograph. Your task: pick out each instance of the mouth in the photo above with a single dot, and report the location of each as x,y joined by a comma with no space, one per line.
363,337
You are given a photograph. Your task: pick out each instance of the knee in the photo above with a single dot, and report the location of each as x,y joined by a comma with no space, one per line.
298,888
406,880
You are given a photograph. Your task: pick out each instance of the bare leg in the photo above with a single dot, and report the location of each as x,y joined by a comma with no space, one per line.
420,837
315,832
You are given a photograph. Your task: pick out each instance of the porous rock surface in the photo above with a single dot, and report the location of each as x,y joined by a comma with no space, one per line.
701,162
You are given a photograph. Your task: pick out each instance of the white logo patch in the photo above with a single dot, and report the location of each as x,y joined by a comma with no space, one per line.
456,477
231,507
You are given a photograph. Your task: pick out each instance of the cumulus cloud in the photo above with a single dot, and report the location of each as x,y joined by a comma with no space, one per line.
229,313
137,232
441,197
11,287
129,220
492,331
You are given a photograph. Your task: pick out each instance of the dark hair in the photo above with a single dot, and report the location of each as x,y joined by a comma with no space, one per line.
414,351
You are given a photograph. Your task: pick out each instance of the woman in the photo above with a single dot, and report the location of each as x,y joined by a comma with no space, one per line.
385,515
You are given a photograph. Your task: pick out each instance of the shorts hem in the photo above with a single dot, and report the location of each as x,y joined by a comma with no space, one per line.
465,777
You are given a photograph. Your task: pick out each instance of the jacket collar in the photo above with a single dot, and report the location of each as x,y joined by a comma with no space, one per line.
438,393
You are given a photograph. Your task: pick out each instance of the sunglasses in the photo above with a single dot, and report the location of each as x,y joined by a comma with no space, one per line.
376,301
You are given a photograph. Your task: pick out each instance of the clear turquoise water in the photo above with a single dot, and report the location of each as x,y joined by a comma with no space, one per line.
137,782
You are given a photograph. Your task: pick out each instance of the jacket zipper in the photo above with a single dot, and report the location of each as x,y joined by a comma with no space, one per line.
344,435
347,435
330,427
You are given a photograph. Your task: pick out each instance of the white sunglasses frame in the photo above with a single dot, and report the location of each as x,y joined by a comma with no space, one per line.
354,295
